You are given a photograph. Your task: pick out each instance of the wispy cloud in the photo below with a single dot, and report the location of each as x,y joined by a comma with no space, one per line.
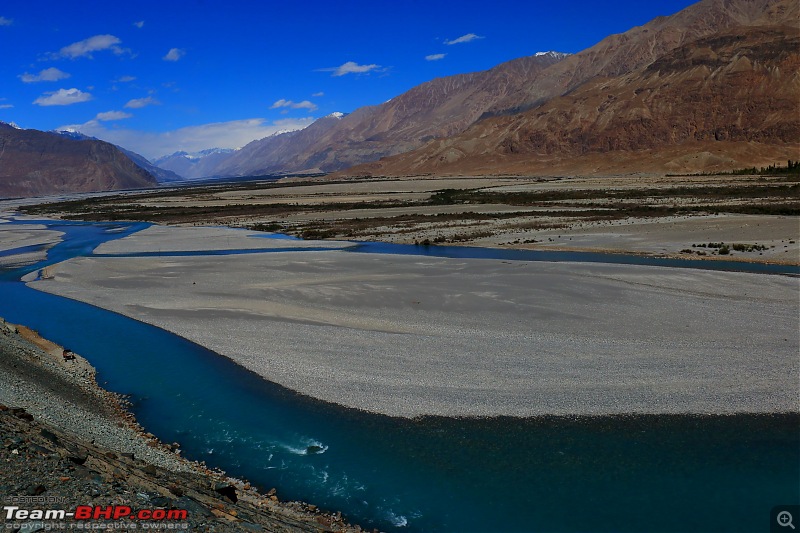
139,24
6,106
305,104
174,54
464,39
233,134
63,97
318,95
89,128
86,47
350,67
6,22
48,74
125,79
112,115
434,57
138,103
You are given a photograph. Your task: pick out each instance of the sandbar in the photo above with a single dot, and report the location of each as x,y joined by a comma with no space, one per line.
23,238
414,335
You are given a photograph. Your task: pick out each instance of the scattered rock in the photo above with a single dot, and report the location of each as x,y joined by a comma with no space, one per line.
226,490
160,501
192,507
35,490
49,435
21,414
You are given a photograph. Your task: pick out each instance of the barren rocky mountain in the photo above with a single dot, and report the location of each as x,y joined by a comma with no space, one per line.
438,108
162,175
446,107
35,163
728,100
287,152
622,53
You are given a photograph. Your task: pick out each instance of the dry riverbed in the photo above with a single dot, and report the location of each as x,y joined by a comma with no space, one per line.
34,240
750,218
414,335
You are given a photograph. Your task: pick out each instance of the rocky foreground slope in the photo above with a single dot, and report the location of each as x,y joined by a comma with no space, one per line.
66,442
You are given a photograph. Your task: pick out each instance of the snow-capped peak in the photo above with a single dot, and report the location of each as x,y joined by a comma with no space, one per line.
12,124
279,132
195,156
551,53
335,114
72,133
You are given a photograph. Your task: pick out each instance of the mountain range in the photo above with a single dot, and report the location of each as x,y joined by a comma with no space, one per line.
712,87
727,99
715,86
34,163
193,165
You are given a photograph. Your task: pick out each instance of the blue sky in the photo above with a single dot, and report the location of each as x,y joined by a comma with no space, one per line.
157,77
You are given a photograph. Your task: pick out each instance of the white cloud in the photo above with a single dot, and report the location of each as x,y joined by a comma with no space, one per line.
6,106
174,54
48,74
63,97
5,22
233,134
112,115
139,24
434,57
351,67
305,104
125,79
464,39
138,103
97,43
318,95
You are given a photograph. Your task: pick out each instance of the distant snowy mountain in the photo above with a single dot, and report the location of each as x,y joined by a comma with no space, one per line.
553,54
189,165
74,135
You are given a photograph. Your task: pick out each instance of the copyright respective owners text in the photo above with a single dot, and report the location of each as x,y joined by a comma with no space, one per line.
49,513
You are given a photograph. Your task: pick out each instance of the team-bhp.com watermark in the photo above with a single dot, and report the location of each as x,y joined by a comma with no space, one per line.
22,514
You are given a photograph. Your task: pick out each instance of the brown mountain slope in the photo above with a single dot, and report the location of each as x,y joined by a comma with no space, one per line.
438,108
622,53
447,106
277,153
34,163
727,101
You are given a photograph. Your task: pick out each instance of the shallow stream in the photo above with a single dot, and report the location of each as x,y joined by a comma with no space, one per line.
636,473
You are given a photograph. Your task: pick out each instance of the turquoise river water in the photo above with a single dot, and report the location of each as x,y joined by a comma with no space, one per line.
632,473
